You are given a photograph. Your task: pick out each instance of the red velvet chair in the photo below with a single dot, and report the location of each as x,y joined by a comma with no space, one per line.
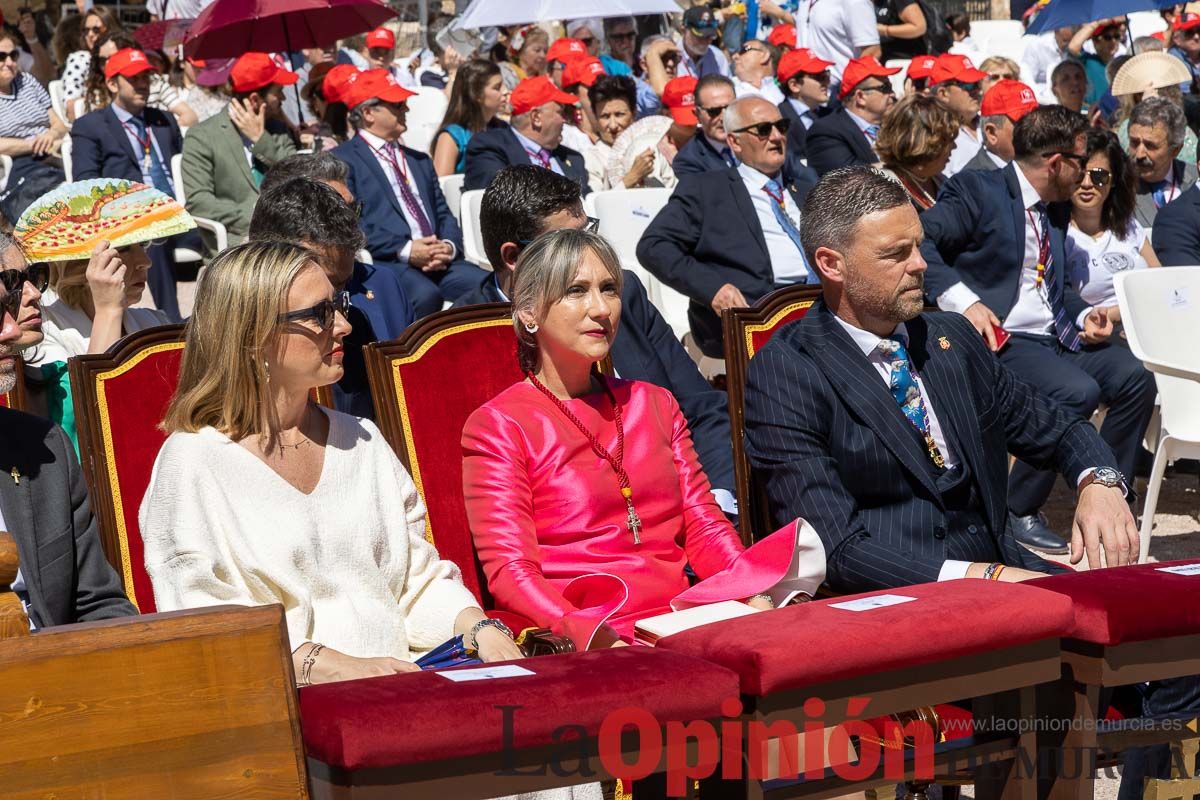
15,397
746,331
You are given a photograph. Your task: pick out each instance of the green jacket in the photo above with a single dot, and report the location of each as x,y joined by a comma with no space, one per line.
217,180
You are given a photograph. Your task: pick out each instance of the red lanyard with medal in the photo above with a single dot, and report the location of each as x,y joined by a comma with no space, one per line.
1043,244
147,145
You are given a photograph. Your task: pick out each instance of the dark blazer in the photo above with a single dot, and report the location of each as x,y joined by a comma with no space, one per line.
1176,235
492,150
975,234
379,311
100,147
982,162
797,134
646,350
697,156
708,235
46,510
383,219
835,141
834,448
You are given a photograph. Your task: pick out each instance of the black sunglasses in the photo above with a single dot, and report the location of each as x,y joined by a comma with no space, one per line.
763,129
1080,161
622,36
969,88
10,55
323,312
884,88
749,48
14,281
1099,176
713,111
1111,37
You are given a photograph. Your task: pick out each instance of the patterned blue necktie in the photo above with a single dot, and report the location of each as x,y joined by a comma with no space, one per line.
1159,192
1064,328
775,192
872,133
908,395
158,175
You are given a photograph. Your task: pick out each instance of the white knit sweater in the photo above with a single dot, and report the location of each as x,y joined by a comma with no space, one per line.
349,562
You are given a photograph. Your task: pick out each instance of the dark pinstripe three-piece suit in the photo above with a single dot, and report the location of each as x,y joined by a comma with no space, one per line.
834,448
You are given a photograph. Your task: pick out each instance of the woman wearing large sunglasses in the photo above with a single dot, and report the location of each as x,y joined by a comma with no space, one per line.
1103,225
260,496
22,285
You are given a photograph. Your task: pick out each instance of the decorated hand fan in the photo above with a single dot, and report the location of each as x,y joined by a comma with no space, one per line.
67,222
643,135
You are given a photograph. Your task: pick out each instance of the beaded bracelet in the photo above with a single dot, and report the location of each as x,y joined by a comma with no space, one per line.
485,623
763,596
309,659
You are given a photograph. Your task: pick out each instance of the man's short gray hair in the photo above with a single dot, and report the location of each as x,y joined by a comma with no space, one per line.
649,41
1161,111
1147,44
839,200
994,119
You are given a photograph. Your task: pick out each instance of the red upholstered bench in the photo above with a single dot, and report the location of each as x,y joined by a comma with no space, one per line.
433,737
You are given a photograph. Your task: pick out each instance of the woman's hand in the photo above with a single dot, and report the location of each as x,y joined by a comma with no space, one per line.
760,602
643,165
44,143
106,279
332,665
494,645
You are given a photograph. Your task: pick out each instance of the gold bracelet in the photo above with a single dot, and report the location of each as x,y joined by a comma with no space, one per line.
306,666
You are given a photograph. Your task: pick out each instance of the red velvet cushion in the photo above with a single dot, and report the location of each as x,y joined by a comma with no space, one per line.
439,389
419,717
815,643
1129,604
136,401
759,335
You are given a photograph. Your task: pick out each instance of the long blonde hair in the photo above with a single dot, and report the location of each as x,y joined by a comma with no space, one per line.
224,375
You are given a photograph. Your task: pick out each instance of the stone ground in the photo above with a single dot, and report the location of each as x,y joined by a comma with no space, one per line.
1176,525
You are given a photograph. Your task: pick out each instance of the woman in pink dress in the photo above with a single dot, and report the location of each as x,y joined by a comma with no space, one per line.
584,494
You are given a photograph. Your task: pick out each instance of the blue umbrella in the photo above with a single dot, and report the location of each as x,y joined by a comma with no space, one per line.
1063,13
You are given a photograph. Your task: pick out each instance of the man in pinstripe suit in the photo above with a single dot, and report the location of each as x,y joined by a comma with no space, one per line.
888,429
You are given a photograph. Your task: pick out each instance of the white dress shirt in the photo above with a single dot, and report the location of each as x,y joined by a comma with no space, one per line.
965,148
769,90
836,30
807,115
532,147
787,263
378,148
997,160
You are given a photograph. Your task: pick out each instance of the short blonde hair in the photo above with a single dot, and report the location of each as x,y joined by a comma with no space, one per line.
918,128
543,274
1000,63
68,279
223,378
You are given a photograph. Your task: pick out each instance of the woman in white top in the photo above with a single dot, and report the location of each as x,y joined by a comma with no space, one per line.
88,307
98,21
1102,223
260,496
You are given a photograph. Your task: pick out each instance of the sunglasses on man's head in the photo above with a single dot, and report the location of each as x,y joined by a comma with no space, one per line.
323,312
14,281
763,129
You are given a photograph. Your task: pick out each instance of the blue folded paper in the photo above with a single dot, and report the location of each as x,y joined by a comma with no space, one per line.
448,654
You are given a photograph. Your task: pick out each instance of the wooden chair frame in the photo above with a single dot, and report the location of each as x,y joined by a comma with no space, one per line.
740,325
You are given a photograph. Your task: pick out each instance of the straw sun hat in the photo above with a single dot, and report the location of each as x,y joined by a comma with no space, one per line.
1155,70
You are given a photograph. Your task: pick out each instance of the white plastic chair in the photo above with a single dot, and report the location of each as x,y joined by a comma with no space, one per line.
897,80
65,153
472,235
452,186
624,215
425,112
57,101
5,171
1160,309
218,230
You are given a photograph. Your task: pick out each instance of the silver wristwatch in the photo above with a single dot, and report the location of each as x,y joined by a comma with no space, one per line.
1105,476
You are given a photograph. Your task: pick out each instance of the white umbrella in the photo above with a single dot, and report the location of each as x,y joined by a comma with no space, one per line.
488,13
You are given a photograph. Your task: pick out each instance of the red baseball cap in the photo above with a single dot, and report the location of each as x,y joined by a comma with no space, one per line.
1184,22
336,80
859,69
566,50
679,95
253,71
582,70
532,93
954,67
381,37
127,62
920,67
783,36
1011,98
373,84
800,60
1102,28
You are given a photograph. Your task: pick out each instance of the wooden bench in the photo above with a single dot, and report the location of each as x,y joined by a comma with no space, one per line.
188,704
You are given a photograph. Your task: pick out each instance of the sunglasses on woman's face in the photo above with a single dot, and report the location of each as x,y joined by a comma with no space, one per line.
1099,177
10,55
14,281
323,312
94,28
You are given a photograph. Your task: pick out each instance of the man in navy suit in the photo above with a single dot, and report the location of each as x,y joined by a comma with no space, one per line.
847,136
888,429
998,253
727,238
405,217
707,150
129,141
533,136
304,199
524,202
1177,230
805,80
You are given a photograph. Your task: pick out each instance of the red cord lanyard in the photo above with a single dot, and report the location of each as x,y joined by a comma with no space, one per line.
777,198
387,155
145,143
544,160
1043,243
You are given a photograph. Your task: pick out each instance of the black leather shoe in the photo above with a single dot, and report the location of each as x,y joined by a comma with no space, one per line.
1033,532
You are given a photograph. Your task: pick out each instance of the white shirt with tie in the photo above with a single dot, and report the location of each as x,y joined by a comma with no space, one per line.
533,149
787,263
807,115
768,90
379,148
139,149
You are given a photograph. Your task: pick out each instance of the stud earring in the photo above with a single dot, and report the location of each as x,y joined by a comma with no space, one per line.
531,327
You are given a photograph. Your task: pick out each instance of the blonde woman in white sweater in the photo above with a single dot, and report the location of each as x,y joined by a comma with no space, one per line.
260,496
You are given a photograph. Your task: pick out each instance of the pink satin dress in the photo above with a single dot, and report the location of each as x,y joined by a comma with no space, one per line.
545,509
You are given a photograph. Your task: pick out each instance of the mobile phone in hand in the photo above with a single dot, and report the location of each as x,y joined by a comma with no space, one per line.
1002,337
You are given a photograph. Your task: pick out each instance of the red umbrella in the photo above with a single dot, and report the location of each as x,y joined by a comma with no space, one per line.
229,28
163,34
